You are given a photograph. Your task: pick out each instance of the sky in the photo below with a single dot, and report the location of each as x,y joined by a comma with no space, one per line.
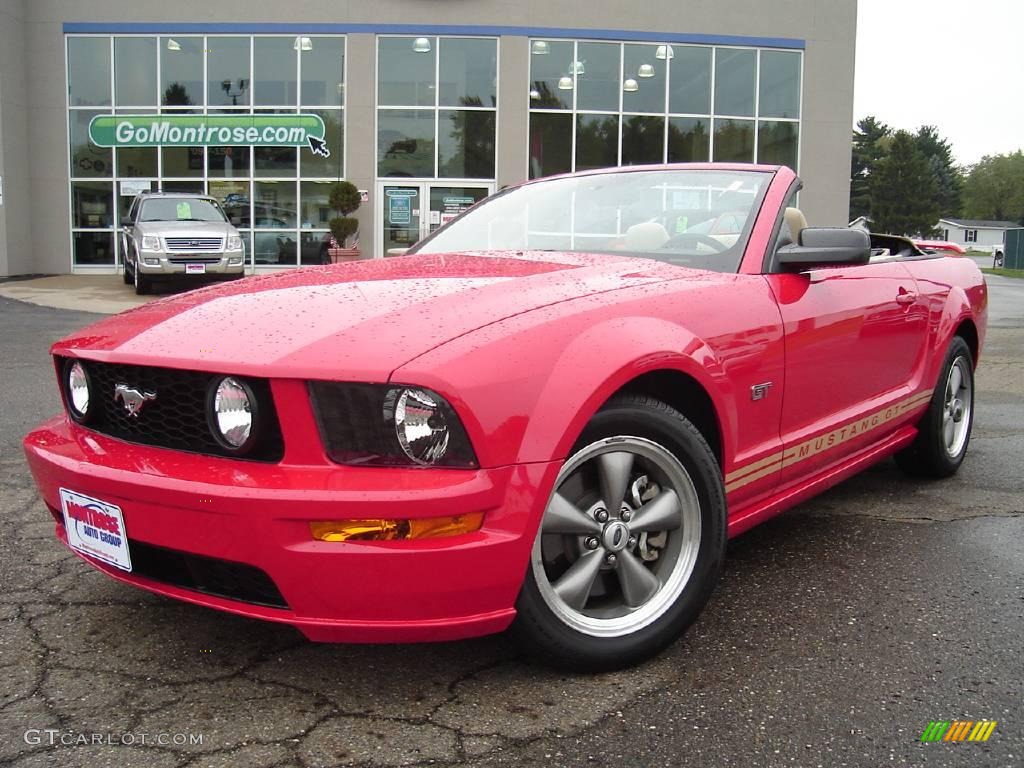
954,64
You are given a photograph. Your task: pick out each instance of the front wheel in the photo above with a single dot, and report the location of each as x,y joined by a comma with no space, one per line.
143,284
945,429
631,542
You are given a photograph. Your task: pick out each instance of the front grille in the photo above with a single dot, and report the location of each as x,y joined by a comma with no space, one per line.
209,575
176,418
194,259
194,243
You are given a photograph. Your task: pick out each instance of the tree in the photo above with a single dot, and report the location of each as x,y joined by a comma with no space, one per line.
176,95
902,189
949,179
995,188
869,146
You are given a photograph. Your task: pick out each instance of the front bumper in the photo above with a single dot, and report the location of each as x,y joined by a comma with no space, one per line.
175,264
258,515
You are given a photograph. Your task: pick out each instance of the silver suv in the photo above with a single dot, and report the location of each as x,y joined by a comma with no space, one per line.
169,236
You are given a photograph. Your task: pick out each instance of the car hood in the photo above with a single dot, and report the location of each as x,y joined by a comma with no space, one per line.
185,228
358,321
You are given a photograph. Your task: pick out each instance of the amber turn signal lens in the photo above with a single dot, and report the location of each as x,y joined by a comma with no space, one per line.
373,529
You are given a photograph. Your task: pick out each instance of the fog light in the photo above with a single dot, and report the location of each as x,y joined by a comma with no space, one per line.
76,390
234,261
374,529
232,414
151,262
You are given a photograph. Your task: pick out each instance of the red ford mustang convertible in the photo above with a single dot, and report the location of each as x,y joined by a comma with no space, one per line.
549,414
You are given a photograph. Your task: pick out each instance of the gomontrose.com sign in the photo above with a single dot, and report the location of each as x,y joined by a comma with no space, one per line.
305,130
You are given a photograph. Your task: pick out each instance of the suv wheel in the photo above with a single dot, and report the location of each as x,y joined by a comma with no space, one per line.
143,284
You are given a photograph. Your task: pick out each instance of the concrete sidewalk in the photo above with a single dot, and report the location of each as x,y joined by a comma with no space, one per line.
105,294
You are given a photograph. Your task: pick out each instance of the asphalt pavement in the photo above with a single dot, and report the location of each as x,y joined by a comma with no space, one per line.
839,631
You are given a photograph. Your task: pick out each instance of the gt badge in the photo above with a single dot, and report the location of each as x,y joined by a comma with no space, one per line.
760,391
132,399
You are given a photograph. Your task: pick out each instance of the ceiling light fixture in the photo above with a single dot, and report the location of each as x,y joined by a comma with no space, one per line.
539,47
173,45
421,45
664,52
630,85
565,83
646,70
303,43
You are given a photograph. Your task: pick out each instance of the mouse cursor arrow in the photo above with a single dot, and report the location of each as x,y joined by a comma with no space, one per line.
319,146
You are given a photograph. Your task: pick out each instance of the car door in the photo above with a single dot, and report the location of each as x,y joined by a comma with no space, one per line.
854,337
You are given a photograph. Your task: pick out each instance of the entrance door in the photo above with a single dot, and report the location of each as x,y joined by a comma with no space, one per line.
408,212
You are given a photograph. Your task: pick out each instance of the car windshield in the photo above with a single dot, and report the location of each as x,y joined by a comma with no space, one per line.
690,217
181,209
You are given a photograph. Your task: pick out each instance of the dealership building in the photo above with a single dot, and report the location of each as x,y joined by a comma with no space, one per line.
425,105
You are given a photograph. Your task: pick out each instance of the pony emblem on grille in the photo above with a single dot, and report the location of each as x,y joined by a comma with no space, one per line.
132,399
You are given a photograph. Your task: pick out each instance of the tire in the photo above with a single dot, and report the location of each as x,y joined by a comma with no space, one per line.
126,275
665,565
143,285
944,431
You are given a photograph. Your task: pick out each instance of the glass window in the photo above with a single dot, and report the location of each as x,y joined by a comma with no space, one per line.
181,71
780,84
195,187
643,140
734,141
778,143
275,247
689,140
466,144
94,248
405,142
86,158
406,71
597,141
274,70
641,65
275,205
228,79
550,144
234,196
89,71
597,76
469,72
136,161
228,161
182,161
549,63
92,204
314,206
134,71
334,133
690,83
276,161
735,76
323,71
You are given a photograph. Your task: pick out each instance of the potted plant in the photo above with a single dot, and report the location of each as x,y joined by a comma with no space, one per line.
344,245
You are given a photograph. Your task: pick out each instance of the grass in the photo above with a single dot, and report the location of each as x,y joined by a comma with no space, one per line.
1018,273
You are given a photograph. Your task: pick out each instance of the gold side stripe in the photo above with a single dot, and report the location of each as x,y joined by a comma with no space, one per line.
815,445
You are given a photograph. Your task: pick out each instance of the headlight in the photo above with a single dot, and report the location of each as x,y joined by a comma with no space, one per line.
232,414
150,243
76,390
389,425
234,243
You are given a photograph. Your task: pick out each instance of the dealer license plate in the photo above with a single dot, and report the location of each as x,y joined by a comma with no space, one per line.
195,269
95,528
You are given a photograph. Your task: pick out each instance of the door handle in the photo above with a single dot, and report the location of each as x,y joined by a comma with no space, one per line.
906,298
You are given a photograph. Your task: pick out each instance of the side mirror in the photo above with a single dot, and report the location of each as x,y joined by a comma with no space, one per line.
825,247
126,221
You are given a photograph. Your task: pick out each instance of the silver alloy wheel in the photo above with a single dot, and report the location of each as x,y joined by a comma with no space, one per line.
135,273
619,538
957,406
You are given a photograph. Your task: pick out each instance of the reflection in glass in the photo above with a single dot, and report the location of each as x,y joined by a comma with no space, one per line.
735,75
330,167
275,247
405,142
468,71
690,84
323,72
135,71
689,140
274,206
734,141
89,71
597,141
777,143
545,71
182,161
780,84
94,248
228,161
136,161
276,161
466,144
405,77
181,71
228,78
550,144
643,140
195,187
639,63
598,87
234,197
314,206
86,158
92,204
275,71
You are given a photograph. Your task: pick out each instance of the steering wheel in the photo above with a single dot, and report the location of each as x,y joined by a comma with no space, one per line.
685,238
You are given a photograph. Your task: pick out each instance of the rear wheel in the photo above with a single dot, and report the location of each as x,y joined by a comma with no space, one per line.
631,542
945,429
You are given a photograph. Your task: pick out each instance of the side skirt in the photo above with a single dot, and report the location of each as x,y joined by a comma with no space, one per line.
747,517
